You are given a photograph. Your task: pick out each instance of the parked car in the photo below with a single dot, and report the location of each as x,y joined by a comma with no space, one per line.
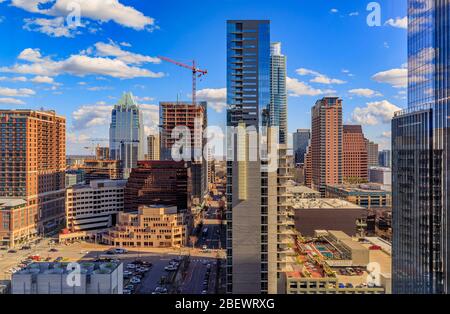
53,250
127,273
120,251
12,251
131,266
170,268
126,291
135,280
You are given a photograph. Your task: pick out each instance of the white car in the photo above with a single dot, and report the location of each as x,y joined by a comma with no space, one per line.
131,266
120,251
127,273
126,291
170,268
135,280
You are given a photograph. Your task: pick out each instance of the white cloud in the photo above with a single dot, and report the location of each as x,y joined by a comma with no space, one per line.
353,14
12,92
374,113
216,98
98,88
398,78
43,80
112,49
297,88
125,44
97,10
79,65
364,92
55,27
334,10
318,77
99,114
398,22
11,101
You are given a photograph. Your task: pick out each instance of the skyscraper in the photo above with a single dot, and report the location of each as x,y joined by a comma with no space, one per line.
372,153
301,140
354,155
248,96
32,169
384,158
126,133
420,157
278,92
194,117
153,148
326,143
260,223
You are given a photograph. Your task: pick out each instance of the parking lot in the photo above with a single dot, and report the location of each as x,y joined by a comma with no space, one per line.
188,279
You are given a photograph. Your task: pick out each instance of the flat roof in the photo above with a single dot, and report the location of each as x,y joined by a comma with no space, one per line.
61,268
324,203
11,202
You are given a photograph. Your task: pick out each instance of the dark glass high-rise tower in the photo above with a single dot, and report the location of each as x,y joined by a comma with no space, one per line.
420,161
248,98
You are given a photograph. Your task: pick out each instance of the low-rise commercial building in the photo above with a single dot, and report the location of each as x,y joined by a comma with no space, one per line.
151,226
94,206
298,192
58,278
17,222
331,262
365,195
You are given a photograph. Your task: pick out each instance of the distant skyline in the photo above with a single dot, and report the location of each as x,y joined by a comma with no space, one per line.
82,72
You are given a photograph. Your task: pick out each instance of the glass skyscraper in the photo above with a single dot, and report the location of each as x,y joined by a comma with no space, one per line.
420,148
248,98
278,94
126,134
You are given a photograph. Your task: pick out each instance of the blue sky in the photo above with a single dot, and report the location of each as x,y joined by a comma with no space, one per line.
82,71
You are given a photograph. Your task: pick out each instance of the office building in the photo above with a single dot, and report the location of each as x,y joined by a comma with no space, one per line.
354,155
33,164
126,134
194,118
54,278
151,226
326,143
324,213
384,158
153,147
368,195
381,175
278,91
420,157
301,140
94,206
96,169
74,176
159,183
372,153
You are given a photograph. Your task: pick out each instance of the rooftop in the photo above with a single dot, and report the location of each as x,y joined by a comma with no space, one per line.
324,203
61,268
11,202
360,188
321,257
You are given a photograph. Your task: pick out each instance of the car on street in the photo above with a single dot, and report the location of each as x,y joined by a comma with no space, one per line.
12,251
126,291
53,250
131,266
135,280
127,273
120,251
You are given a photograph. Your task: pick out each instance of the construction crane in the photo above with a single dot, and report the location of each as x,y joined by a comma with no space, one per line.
196,73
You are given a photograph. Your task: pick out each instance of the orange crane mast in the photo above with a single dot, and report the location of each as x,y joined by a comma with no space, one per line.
196,73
